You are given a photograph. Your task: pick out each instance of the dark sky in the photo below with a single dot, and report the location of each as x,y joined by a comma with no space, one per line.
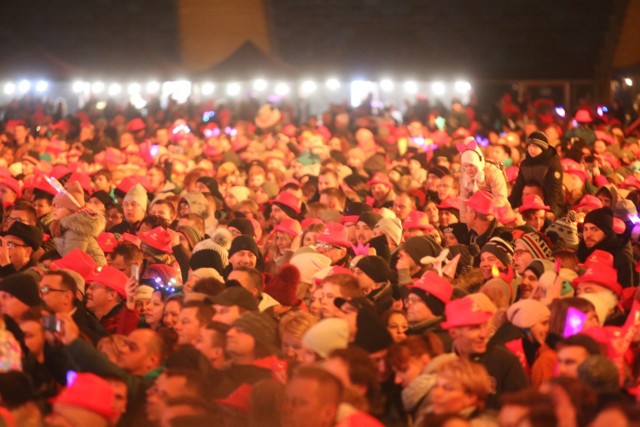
490,39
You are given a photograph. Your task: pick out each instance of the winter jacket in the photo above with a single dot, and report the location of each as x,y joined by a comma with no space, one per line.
494,182
80,230
546,171
622,257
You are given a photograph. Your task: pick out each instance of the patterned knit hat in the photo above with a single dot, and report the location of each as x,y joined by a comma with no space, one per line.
536,245
566,230
500,249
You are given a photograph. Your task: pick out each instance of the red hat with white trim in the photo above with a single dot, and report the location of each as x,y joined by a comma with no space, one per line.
600,271
107,242
158,239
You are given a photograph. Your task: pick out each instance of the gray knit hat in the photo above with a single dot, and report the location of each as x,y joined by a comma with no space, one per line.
197,203
261,327
138,194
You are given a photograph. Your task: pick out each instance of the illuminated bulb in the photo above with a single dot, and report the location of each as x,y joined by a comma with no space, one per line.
462,87
411,87
309,86
97,87
628,81
233,89
386,85
134,89
24,86
42,86
281,89
333,84
438,88
9,89
153,87
207,88
259,85
78,86
114,89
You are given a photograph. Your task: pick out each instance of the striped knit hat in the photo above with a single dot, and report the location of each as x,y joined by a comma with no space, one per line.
500,248
536,245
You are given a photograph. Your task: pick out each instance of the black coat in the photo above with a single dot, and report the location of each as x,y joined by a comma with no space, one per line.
622,257
546,171
505,370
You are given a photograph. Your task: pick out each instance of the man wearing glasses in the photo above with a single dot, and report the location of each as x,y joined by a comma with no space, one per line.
58,290
17,247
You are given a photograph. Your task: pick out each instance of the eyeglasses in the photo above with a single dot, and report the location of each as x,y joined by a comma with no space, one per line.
326,246
12,245
411,301
46,289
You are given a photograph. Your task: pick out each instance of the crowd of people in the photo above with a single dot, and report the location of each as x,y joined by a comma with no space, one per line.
229,265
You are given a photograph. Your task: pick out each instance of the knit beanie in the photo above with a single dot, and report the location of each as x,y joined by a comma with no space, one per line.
31,235
191,234
309,263
243,225
206,258
538,138
566,231
327,335
601,218
261,327
539,266
72,199
500,249
240,193
601,374
418,247
624,209
601,305
381,246
369,218
219,242
138,194
197,203
24,287
392,227
246,243
536,245
460,231
375,267
526,313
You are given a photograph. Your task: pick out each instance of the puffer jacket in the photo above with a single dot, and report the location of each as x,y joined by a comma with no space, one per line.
80,230
546,171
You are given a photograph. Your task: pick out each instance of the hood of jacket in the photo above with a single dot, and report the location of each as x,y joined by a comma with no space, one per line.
84,222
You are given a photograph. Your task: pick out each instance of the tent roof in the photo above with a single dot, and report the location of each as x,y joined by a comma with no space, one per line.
248,62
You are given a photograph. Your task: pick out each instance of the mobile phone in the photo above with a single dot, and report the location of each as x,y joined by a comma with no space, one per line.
51,323
135,272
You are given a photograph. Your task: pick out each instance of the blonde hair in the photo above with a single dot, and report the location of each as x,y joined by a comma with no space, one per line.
473,377
296,323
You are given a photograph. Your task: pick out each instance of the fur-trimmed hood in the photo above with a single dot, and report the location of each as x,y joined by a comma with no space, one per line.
84,222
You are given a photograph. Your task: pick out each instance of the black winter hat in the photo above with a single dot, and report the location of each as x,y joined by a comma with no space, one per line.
375,267
369,218
601,218
243,225
246,243
31,235
418,247
356,209
24,287
538,138
439,171
459,230
380,244
206,258
104,198
371,334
